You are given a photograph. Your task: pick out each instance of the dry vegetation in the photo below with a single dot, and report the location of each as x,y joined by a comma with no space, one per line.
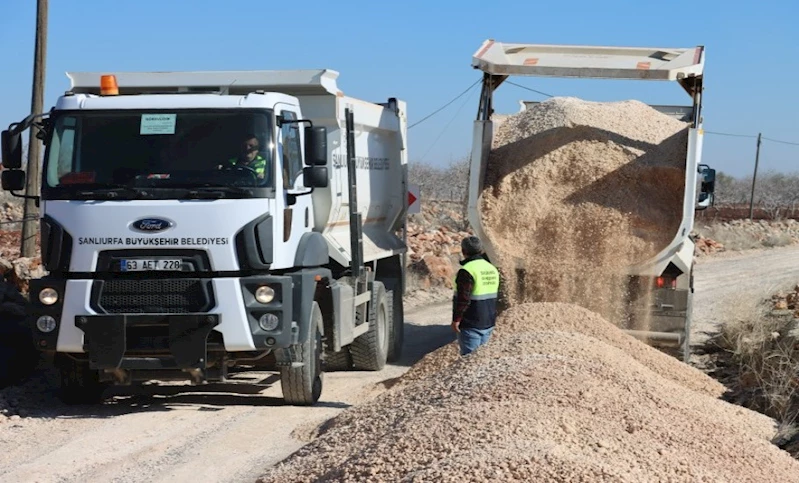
756,355
776,196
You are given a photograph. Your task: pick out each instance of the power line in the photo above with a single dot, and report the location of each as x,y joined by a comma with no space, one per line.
529,89
447,125
731,134
445,105
11,222
751,136
781,142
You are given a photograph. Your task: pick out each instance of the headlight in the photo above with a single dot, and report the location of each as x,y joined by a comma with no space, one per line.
48,296
45,324
269,322
264,294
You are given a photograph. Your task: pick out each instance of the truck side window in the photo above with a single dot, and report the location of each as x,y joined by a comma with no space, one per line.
292,157
63,145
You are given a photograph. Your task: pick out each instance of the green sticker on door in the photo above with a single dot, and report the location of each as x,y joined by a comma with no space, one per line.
157,124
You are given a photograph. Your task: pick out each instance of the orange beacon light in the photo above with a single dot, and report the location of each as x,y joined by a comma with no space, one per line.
108,85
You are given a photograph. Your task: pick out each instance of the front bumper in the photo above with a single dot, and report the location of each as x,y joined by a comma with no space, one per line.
109,346
235,310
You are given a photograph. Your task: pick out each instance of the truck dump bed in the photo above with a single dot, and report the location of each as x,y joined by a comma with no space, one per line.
684,65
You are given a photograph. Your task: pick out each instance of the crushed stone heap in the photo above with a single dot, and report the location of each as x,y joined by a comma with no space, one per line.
576,401
578,191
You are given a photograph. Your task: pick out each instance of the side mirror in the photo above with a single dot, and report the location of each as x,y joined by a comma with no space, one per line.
12,150
315,176
316,146
708,181
705,201
13,179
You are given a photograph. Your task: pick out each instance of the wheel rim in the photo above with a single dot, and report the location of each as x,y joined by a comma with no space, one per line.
318,374
382,327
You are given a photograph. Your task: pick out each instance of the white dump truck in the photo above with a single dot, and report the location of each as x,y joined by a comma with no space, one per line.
197,222
671,270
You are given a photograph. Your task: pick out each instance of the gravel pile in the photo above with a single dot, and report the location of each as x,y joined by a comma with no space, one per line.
554,316
569,402
578,191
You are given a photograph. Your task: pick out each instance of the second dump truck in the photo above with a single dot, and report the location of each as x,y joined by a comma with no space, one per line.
669,272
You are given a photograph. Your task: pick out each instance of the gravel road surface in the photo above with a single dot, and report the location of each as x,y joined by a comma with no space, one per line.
729,281
215,433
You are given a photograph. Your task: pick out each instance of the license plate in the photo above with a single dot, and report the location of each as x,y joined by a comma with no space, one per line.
144,265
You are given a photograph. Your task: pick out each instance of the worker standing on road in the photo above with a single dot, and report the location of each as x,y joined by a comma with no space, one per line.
474,309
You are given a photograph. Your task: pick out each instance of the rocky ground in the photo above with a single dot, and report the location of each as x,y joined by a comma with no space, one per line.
786,300
736,235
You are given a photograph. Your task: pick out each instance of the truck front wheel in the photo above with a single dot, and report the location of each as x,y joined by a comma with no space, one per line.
370,350
302,386
79,383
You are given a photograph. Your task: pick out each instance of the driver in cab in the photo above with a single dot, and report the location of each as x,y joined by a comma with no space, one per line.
248,158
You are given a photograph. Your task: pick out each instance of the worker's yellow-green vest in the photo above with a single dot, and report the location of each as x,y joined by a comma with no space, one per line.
482,311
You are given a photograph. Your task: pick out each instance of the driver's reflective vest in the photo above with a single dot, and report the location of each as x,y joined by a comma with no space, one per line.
258,164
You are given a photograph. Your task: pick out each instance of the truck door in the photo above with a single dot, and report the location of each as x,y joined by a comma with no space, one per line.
297,212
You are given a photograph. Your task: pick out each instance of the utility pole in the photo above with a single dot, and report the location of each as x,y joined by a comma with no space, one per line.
754,179
30,226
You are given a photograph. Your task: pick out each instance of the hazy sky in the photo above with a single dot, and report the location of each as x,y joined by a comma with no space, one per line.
421,52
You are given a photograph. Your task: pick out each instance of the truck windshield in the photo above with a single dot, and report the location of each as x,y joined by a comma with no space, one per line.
160,154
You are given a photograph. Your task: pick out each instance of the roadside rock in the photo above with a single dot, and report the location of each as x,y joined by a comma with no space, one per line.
435,271
434,244
707,246
21,270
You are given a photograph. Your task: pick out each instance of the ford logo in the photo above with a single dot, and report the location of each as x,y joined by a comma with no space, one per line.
151,225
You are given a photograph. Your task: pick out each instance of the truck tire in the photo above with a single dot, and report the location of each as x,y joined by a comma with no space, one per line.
396,325
338,361
370,350
18,355
79,383
302,386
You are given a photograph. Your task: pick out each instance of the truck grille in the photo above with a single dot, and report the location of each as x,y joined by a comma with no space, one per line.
163,296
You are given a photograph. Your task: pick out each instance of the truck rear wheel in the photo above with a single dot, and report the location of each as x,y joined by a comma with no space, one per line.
370,350
397,325
79,383
338,361
302,386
